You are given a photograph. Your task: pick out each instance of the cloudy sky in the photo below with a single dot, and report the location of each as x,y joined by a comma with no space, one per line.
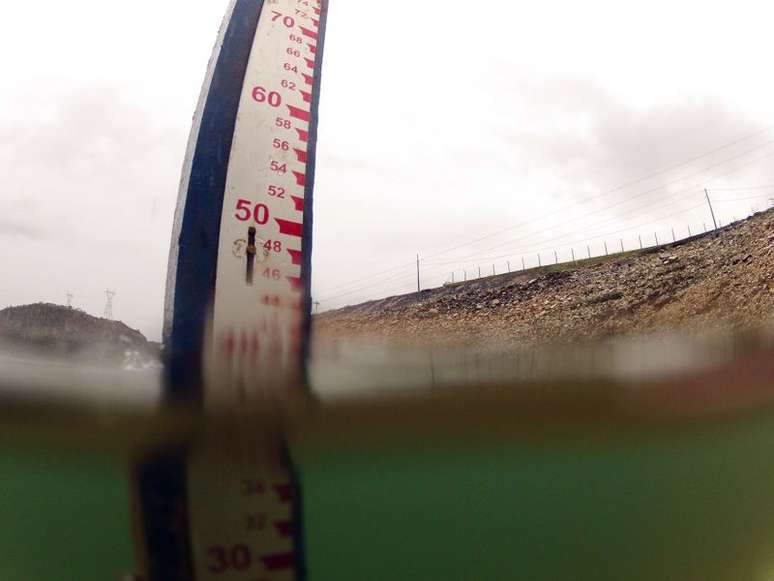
472,136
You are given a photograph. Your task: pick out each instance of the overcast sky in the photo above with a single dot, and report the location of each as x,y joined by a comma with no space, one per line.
472,136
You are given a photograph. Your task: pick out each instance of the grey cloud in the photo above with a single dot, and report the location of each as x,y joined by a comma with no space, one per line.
619,142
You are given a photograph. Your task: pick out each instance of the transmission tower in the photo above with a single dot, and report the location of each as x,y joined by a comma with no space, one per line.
109,295
69,300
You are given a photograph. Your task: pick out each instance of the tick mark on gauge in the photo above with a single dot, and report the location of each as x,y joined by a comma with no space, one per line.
251,250
299,113
300,155
309,33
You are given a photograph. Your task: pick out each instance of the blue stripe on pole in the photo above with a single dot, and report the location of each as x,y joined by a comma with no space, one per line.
311,155
200,231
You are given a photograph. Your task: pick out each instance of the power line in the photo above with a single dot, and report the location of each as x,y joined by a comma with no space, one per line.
618,188
405,278
477,255
736,189
390,270
745,198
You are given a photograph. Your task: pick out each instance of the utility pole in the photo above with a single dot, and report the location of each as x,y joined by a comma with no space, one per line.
655,235
109,294
556,257
622,248
540,263
509,266
588,249
572,252
69,300
606,252
640,237
523,267
479,272
673,235
418,288
493,270
712,212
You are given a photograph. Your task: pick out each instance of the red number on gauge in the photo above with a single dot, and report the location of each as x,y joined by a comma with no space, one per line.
284,123
288,21
276,192
245,210
293,52
237,557
272,273
261,95
290,67
280,168
273,245
288,84
270,300
279,144
296,39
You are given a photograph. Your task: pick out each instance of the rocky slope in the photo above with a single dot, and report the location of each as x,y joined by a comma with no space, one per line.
720,279
58,331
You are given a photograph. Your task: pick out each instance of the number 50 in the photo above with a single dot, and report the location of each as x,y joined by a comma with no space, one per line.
245,209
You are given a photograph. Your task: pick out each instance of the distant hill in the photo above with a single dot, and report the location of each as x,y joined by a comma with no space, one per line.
59,331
